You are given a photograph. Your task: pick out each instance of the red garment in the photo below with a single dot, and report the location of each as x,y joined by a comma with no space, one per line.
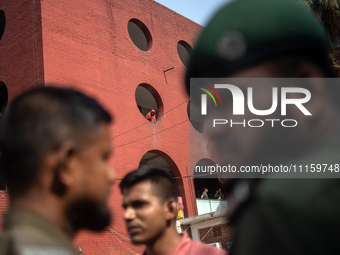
151,118
186,246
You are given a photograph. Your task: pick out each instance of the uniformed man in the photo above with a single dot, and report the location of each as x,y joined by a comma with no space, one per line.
55,145
276,38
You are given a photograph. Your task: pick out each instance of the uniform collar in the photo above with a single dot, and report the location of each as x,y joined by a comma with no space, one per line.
17,217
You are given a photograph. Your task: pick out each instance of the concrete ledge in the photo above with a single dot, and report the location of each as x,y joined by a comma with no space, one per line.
203,217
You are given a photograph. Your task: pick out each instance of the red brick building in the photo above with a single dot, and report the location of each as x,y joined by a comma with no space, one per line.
129,55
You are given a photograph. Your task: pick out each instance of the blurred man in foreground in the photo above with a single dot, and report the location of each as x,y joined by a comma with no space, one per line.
150,204
55,145
276,39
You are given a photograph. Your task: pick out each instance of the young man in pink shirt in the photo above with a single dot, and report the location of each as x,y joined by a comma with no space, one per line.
150,204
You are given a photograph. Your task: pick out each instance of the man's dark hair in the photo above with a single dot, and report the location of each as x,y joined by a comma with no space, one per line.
37,123
159,177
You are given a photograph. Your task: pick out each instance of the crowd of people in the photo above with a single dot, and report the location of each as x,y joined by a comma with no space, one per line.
55,146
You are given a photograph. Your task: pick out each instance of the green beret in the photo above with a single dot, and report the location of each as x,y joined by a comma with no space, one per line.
245,32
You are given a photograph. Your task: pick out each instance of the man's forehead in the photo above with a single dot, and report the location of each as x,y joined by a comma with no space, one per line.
141,190
99,135
257,70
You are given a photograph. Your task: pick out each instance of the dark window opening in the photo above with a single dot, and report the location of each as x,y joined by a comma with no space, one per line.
148,100
184,51
3,105
2,23
195,117
140,34
206,180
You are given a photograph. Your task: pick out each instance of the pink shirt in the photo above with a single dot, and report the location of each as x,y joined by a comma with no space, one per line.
186,246
151,118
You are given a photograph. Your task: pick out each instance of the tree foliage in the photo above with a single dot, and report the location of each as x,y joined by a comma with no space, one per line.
328,12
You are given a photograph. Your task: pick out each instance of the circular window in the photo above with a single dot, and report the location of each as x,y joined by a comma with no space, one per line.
3,98
2,23
195,117
184,51
140,34
149,102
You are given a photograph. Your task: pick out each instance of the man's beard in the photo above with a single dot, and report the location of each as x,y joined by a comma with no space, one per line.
85,214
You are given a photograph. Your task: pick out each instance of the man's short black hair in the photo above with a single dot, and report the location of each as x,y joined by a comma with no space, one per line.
158,176
37,123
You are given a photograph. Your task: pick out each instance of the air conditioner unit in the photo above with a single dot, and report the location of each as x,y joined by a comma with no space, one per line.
217,245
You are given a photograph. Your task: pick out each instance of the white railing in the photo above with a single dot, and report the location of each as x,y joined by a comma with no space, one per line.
210,205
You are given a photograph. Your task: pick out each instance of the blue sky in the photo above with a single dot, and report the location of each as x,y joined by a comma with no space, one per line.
199,11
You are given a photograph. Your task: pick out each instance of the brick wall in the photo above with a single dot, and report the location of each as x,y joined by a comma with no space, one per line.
3,205
220,233
21,65
85,44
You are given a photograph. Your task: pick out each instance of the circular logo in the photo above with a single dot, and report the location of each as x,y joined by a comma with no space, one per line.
232,46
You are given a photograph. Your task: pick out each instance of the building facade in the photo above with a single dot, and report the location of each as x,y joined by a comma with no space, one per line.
128,54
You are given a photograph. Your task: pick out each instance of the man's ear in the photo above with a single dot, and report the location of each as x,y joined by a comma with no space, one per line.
309,70
317,105
171,209
316,86
63,164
